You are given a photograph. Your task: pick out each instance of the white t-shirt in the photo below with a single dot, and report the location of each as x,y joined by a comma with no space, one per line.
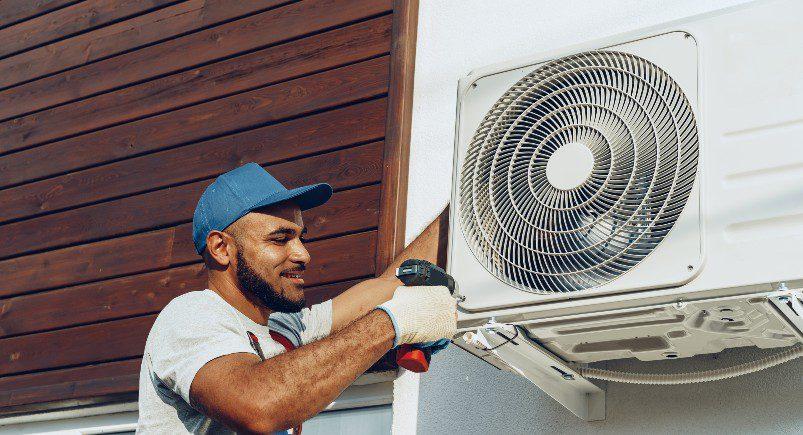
194,329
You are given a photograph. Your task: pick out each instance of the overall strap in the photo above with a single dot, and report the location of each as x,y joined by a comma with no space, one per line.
281,339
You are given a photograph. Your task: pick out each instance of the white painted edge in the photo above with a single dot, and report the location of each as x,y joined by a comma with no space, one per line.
361,396
405,403
114,428
68,413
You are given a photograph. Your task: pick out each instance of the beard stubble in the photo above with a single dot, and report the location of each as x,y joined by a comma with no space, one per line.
250,281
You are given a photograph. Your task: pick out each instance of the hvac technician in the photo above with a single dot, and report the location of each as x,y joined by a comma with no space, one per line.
245,355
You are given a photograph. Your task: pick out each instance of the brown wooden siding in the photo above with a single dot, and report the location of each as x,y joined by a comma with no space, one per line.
116,114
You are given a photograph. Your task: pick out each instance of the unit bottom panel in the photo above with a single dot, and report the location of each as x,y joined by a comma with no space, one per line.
669,331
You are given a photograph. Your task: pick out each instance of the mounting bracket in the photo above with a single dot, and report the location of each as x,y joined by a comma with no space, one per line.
510,348
790,309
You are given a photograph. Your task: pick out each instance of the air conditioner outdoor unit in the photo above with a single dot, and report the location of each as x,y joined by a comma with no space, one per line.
636,197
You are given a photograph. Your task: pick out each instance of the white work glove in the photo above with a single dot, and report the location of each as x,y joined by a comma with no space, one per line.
421,314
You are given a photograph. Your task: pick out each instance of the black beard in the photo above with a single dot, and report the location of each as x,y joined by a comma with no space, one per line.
252,283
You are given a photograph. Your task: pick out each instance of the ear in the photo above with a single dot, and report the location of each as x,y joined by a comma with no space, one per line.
221,248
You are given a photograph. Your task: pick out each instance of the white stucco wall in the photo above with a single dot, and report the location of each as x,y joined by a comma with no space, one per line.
463,395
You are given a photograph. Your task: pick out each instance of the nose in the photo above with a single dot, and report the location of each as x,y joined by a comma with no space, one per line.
298,253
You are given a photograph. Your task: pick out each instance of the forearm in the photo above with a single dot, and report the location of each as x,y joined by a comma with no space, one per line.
363,297
297,385
430,245
360,299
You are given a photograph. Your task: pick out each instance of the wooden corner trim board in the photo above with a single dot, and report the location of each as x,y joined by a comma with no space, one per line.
392,219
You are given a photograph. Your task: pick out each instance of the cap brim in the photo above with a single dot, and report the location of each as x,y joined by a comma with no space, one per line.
306,197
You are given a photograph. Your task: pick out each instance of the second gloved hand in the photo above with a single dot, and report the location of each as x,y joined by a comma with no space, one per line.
422,314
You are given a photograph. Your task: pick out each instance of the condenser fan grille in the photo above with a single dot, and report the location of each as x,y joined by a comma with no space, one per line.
578,172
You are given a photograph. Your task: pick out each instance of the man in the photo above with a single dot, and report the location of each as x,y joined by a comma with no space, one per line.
245,355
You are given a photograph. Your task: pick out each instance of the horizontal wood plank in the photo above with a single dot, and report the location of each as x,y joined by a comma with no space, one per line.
14,11
94,261
293,139
272,65
72,346
70,384
321,293
126,35
224,116
261,30
73,19
342,258
350,167
128,296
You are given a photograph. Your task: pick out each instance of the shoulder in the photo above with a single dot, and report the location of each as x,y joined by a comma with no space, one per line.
193,304
193,313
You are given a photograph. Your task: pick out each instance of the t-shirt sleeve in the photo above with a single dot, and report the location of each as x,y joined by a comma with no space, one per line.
188,335
308,325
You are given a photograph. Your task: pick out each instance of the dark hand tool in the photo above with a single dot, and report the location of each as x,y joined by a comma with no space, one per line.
415,272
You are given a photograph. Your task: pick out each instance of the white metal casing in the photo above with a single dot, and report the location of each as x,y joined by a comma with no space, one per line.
675,261
748,217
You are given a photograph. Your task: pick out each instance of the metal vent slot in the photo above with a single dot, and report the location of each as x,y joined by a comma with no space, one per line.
546,223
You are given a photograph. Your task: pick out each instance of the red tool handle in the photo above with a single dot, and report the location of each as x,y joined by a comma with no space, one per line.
413,359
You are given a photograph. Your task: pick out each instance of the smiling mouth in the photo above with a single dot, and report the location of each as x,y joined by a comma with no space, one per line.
294,276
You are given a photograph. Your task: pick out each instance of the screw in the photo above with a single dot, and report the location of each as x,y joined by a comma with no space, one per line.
690,267
473,85
461,298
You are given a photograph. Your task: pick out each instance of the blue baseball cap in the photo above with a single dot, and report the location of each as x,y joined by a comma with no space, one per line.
243,190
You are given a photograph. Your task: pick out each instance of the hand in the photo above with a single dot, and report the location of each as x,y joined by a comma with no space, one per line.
421,314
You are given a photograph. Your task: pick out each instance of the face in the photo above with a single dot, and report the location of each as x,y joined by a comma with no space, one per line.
271,258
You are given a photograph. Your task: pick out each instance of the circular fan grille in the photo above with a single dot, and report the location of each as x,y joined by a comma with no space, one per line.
543,226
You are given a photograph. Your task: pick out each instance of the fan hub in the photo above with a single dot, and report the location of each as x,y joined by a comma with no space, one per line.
569,166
